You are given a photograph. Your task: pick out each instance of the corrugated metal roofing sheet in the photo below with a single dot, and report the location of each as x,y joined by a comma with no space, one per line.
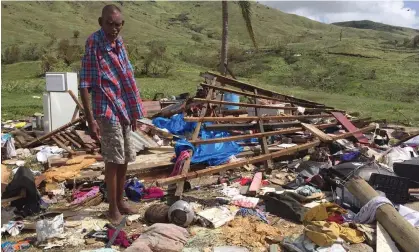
142,141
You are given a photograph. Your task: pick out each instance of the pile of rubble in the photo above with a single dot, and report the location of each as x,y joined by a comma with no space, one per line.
217,174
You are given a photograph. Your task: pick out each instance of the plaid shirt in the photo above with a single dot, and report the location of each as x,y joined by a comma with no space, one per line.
108,73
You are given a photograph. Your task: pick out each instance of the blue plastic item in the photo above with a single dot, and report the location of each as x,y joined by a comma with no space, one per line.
210,154
134,190
231,98
175,125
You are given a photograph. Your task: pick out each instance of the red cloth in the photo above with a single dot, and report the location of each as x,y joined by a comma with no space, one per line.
245,181
153,193
336,218
121,239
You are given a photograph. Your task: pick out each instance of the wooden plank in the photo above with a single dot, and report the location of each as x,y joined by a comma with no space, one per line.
253,118
242,104
253,160
255,185
262,141
62,145
255,95
318,133
350,127
52,133
187,163
399,229
225,167
76,100
249,87
62,139
242,137
66,136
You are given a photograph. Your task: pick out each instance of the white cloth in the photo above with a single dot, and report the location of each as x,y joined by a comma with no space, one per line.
410,215
367,213
48,151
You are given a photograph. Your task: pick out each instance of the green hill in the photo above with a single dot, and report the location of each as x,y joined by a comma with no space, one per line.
367,24
355,69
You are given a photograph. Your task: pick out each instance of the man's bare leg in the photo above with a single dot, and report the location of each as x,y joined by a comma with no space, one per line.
111,185
123,207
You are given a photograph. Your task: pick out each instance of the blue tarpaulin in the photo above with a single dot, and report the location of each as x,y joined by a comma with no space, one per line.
175,125
210,154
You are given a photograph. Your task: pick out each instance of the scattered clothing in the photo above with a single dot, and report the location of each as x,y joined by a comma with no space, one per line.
80,196
136,191
153,193
284,206
336,218
252,212
307,190
160,237
410,215
184,155
243,201
13,227
367,213
325,233
46,152
323,212
120,240
301,243
24,180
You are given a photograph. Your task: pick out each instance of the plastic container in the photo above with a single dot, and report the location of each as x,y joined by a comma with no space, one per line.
231,98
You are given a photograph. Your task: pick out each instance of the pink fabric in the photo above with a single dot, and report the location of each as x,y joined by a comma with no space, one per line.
80,196
153,193
179,163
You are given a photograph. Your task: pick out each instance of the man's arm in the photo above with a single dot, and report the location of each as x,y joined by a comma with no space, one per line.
89,77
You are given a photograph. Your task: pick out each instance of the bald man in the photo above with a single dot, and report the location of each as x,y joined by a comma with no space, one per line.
107,75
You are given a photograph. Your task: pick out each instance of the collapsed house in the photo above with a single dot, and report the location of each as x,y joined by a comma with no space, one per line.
304,161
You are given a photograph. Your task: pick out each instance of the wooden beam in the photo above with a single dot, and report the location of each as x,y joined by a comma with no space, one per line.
249,87
187,163
242,104
254,118
258,159
262,141
62,145
258,135
52,133
66,135
399,229
225,167
260,96
62,139
76,100
318,133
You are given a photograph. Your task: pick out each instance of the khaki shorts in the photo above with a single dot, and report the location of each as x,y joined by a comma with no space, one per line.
117,145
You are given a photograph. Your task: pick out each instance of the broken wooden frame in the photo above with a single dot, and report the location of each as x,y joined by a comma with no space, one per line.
258,159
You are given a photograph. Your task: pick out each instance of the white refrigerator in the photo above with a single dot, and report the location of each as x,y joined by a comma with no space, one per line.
58,105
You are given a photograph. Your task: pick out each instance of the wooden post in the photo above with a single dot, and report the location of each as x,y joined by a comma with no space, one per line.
399,229
262,141
187,163
252,118
225,167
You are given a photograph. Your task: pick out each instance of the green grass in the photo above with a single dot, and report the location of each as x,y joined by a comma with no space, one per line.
337,73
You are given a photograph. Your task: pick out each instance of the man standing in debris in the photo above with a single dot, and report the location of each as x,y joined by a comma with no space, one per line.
116,105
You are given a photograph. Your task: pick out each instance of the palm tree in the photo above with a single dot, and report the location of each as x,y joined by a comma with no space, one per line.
246,13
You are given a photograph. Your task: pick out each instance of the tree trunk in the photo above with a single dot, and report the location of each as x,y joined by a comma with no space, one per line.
224,39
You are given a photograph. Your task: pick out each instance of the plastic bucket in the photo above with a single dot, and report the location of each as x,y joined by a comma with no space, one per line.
231,98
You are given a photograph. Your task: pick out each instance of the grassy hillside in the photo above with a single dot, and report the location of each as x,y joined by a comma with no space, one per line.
365,71
367,24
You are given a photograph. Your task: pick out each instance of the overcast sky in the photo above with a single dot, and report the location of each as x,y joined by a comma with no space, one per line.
400,13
